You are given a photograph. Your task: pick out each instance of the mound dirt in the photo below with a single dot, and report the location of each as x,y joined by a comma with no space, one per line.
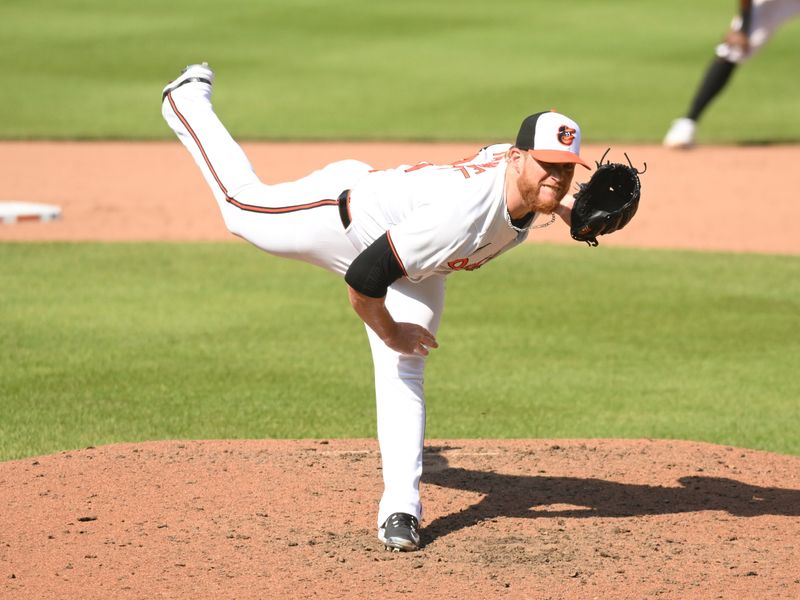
503,519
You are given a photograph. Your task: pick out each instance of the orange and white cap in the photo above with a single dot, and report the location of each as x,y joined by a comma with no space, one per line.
551,137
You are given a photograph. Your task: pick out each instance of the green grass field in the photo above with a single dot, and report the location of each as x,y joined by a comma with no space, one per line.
360,69
118,342
124,342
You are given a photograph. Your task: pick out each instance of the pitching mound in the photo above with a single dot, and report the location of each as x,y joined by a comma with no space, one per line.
504,519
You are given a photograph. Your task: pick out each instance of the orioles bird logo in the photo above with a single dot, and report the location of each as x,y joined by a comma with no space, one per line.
566,135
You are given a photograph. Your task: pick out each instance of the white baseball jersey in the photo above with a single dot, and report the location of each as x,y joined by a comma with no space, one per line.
766,17
439,218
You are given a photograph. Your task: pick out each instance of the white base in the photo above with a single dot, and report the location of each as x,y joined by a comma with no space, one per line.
14,212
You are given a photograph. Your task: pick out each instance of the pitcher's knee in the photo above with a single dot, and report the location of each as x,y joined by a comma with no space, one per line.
232,222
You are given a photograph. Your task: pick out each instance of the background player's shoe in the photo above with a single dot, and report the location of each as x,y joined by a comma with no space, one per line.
201,73
681,133
400,532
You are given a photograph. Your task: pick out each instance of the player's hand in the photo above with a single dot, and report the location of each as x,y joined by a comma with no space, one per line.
738,41
564,209
409,338
405,338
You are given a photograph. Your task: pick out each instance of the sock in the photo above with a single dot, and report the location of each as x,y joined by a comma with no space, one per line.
717,75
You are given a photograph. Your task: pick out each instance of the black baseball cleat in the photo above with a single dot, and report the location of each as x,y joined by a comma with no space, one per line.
201,73
400,533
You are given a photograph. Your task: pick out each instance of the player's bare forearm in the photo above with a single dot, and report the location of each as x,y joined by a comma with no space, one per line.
373,312
406,338
564,208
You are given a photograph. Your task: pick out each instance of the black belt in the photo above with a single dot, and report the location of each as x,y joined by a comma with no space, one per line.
344,208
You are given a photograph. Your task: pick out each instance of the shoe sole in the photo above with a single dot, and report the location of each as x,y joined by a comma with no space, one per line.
399,545
396,544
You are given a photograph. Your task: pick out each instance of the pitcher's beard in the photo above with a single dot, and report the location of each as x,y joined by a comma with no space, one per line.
540,198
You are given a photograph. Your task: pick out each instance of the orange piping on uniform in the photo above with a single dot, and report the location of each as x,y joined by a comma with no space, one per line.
394,251
228,198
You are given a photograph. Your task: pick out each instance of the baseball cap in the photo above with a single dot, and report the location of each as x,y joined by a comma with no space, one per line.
551,137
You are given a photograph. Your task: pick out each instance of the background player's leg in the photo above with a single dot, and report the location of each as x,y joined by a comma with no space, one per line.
682,132
713,82
400,397
765,19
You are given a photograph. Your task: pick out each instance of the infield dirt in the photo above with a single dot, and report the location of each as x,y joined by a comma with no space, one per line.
295,519
724,198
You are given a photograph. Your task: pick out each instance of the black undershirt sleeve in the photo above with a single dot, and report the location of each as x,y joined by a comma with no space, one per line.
375,269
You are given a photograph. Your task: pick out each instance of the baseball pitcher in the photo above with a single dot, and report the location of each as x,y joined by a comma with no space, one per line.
394,235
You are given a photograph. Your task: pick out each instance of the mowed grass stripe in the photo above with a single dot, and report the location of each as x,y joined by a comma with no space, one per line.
416,70
101,343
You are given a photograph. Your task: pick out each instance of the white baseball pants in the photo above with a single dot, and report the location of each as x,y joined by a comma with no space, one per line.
767,16
300,220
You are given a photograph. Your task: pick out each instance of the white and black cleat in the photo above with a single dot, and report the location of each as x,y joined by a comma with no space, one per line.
200,73
681,134
400,533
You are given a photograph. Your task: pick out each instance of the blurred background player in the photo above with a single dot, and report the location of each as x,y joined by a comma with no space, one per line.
750,30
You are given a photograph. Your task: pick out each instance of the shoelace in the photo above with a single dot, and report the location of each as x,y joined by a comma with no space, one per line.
405,520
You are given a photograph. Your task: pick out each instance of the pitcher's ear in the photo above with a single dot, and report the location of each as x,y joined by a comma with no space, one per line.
516,158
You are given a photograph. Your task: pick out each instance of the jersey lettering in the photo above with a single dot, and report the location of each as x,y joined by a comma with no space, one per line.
463,264
458,264
418,166
464,166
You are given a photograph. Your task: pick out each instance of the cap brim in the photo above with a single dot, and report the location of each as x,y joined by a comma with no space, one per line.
557,156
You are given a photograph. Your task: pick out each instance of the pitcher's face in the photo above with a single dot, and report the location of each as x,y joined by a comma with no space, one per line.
543,185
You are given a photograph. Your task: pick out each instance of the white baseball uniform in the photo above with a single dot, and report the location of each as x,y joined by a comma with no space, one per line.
766,17
439,218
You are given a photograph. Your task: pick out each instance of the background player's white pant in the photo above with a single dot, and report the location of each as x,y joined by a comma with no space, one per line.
300,220
765,19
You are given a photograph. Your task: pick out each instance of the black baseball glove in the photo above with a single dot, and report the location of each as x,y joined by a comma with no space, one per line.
607,202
